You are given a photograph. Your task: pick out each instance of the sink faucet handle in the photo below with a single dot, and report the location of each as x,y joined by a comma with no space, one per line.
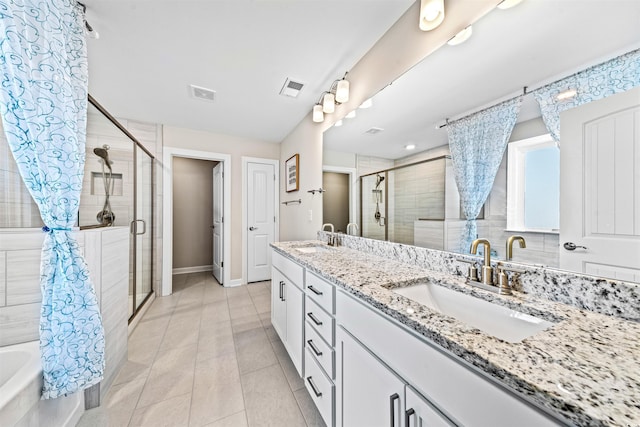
472,274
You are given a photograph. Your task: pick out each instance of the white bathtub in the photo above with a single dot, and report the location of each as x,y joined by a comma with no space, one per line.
20,390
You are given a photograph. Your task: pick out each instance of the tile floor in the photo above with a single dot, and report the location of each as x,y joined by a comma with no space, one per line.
207,356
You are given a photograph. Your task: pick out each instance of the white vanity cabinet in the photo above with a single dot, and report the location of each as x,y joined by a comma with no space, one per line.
457,393
319,373
287,306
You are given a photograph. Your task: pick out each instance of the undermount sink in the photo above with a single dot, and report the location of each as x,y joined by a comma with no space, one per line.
312,249
501,322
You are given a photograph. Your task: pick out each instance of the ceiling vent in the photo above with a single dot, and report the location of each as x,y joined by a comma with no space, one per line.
202,93
374,130
291,88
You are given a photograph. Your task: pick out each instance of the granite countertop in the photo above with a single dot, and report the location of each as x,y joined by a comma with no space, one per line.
586,367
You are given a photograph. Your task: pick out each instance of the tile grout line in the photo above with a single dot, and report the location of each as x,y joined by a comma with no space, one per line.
173,308
195,361
235,350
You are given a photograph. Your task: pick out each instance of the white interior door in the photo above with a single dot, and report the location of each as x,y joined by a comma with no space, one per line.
218,205
260,220
600,187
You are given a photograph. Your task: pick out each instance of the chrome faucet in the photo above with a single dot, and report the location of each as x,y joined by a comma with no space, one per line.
510,241
332,237
354,225
487,271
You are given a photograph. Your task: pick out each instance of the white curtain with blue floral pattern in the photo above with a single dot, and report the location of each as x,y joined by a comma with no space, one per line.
617,75
477,143
43,103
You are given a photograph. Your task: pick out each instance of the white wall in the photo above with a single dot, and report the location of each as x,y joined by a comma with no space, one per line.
236,147
403,46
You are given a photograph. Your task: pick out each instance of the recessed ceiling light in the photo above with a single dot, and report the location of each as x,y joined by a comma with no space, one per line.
410,147
569,93
461,37
507,4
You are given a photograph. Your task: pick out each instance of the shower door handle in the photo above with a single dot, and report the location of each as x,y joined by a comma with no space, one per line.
134,227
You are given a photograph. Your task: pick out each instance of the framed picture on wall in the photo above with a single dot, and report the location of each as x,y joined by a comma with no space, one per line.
291,170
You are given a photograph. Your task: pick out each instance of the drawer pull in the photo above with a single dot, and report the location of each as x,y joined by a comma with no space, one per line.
314,318
314,290
313,386
407,417
392,409
314,348
281,285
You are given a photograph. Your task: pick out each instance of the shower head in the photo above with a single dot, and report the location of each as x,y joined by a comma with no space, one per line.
379,180
103,154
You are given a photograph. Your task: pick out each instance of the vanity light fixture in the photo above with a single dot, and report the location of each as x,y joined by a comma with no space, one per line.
328,103
508,4
431,14
366,104
318,114
351,115
338,93
461,37
567,94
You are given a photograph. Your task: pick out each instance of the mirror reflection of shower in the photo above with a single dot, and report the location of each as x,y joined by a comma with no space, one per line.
106,215
377,192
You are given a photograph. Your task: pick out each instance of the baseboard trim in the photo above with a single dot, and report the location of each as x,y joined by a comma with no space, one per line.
196,269
233,283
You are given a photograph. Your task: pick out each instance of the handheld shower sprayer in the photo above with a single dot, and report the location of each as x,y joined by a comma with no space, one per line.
106,215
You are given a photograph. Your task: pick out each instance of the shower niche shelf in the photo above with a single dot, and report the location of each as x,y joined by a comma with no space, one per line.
97,184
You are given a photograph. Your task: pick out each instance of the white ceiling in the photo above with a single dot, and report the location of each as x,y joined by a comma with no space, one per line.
149,52
536,42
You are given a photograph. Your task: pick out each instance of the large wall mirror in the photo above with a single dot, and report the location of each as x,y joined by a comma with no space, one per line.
404,198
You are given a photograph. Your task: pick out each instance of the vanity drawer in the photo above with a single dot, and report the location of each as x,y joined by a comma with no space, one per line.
287,267
319,320
321,291
320,388
321,351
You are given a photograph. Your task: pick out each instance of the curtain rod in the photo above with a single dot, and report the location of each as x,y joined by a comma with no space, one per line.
526,91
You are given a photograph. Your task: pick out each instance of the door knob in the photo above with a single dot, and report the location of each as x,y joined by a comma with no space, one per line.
253,228
570,246
213,226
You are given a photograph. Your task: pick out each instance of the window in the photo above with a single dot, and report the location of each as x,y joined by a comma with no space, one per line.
533,185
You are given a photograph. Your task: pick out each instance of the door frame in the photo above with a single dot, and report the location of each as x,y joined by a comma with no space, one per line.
167,210
276,202
353,181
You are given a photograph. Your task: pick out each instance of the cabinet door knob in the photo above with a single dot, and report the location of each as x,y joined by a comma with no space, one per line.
314,348
407,417
314,290
314,318
317,392
392,409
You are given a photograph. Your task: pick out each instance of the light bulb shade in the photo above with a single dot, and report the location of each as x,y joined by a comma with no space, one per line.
431,14
506,4
366,104
329,103
351,115
342,91
461,37
318,115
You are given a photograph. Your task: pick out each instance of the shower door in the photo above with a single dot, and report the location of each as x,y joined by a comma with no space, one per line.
142,230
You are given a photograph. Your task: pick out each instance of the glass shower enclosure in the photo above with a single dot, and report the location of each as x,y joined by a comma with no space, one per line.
121,196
